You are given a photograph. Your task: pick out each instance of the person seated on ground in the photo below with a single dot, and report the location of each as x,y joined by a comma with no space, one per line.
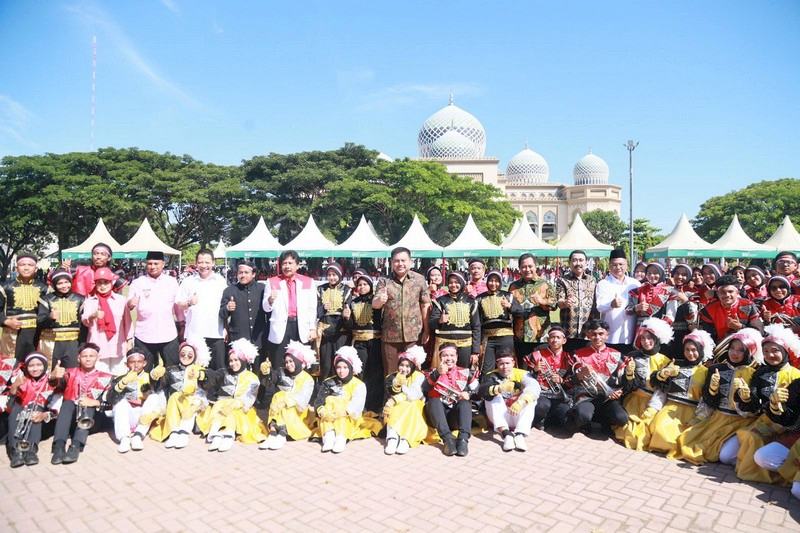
449,389
684,389
83,388
289,414
706,440
183,386
596,382
642,401
551,366
510,396
126,397
403,410
778,347
340,404
232,393
30,395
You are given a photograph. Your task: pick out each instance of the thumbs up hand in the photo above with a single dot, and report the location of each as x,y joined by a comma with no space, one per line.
231,305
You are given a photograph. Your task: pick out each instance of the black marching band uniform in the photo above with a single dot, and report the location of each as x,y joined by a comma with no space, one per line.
20,300
330,331
58,339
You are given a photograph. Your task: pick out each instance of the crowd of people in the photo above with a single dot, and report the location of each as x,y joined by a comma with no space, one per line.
697,363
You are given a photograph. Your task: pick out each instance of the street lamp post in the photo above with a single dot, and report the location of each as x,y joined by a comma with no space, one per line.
631,146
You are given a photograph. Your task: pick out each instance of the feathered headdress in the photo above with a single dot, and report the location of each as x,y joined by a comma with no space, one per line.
350,356
785,338
202,355
244,349
304,354
659,328
416,355
703,339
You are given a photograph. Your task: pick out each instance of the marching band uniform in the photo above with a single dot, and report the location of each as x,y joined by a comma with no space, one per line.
780,310
642,401
681,316
405,402
20,299
510,400
34,395
608,368
463,326
755,291
497,330
340,405
714,317
365,325
655,295
705,440
683,391
76,383
331,299
126,396
552,405
783,455
756,399
58,339
289,414
444,408
232,393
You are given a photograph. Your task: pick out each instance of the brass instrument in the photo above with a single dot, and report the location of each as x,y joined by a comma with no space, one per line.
445,391
555,388
83,417
22,431
593,384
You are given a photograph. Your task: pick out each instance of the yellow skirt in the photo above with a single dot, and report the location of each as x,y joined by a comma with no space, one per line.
762,432
362,427
180,406
702,442
635,435
790,470
667,426
248,427
297,423
407,419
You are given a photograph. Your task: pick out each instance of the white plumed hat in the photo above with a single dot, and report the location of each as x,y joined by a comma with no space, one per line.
349,355
415,354
244,349
305,354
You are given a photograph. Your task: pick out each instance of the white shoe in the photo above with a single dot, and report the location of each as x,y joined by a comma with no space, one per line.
226,443
519,443
124,445
403,447
508,443
339,444
391,446
267,444
182,441
278,443
171,440
328,440
136,443
214,445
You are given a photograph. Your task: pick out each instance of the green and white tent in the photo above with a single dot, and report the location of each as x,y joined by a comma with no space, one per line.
84,249
578,237
143,241
363,242
682,242
418,241
785,238
471,242
524,240
310,242
260,243
735,243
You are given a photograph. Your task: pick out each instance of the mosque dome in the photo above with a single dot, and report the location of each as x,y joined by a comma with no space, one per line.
590,170
527,167
452,133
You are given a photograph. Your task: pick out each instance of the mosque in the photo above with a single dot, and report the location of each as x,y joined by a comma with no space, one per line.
456,139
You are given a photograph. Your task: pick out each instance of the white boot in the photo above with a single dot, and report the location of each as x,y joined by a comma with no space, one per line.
403,447
137,443
391,441
328,440
519,443
339,444
268,443
508,442
215,441
171,440
226,443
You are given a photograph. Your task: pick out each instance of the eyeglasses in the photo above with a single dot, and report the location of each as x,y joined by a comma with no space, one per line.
786,262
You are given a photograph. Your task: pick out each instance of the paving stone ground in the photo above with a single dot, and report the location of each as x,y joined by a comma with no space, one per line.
576,484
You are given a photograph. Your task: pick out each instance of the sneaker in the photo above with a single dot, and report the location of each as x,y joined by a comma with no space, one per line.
124,445
508,442
268,443
339,444
171,440
226,443
519,443
403,447
391,446
72,454
279,441
328,440
182,440
137,444
31,456
58,453
215,441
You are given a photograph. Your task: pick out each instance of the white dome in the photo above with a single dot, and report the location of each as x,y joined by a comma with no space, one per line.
590,170
527,167
452,133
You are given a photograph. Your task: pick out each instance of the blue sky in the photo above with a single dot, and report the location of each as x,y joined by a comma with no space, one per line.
710,89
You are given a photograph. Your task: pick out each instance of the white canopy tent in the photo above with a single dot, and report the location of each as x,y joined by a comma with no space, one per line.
736,243
362,243
786,238
260,243
682,242
220,252
471,242
418,241
143,241
310,242
524,240
578,237
84,249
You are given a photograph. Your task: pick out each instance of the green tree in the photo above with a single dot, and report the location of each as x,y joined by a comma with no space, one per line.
645,235
606,226
760,206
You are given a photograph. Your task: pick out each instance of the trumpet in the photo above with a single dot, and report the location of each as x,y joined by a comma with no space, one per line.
594,385
447,392
84,419
22,431
555,388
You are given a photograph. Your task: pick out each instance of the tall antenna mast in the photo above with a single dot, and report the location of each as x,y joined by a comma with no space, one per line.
94,91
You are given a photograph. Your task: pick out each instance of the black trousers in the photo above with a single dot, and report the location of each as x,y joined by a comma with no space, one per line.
327,351
493,346
446,418
65,425
217,349
66,352
167,350
610,413
34,437
26,343
372,360
277,352
523,349
550,412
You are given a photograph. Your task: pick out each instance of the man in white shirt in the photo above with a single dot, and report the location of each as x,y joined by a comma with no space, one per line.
199,296
612,297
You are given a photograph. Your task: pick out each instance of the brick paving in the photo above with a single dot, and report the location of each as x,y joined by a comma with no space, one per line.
559,485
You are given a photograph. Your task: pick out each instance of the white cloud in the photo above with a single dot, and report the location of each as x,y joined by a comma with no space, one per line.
14,118
171,5
412,93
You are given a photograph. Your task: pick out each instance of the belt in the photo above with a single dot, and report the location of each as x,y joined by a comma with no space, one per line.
366,335
66,335
498,332
27,323
291,319
458,343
